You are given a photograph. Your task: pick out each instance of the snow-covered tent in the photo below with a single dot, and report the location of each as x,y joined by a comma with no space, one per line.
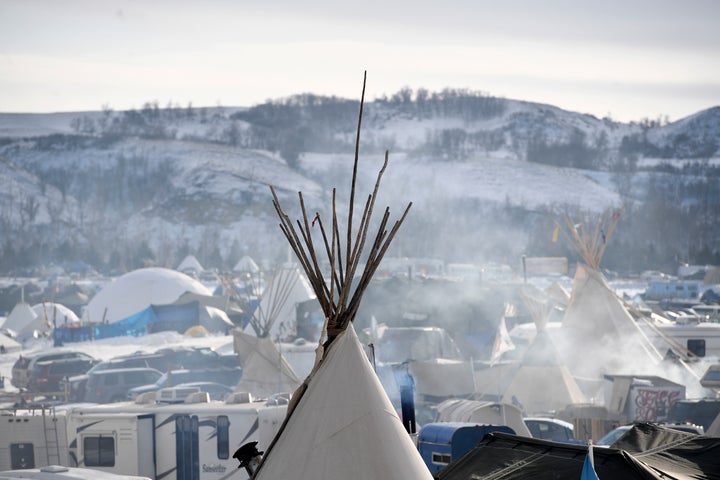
265,370
190,265
137,290
55,314
24,322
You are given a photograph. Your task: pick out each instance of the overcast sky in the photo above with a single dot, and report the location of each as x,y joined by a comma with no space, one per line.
629,59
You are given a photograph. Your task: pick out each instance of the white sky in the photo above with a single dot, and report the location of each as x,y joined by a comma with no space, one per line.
629,59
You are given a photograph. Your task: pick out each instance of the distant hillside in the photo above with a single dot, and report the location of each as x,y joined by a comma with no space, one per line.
488,178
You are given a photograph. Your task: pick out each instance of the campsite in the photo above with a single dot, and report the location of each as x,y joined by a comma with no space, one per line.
345,359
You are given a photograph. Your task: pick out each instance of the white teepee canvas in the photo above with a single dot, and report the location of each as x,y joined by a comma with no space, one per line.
598,333
340,422
344,426
265,370
542,383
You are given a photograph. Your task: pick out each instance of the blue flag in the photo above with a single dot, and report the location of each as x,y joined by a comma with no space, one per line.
588,471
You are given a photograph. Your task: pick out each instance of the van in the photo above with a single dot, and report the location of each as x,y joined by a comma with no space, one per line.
106,386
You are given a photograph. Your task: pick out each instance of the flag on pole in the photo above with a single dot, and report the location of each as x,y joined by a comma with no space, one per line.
588,471
555,233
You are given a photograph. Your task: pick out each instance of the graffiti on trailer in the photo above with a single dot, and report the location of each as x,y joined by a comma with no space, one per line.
653,404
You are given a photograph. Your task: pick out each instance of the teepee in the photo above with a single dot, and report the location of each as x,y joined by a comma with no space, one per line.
598,332
542,382
275,315
340,422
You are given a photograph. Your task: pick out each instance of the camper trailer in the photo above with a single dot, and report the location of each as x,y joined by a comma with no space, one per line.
192,440
32,439
173,434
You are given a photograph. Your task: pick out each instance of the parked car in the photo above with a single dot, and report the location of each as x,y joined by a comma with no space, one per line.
105,386
75,385
23,366
551,429
47,375
225,376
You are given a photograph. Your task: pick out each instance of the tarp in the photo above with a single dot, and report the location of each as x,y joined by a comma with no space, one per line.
645,452
676,454
155,318
511,457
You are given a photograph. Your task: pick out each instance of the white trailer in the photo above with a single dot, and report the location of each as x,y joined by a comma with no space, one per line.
32,438
173,441
192,440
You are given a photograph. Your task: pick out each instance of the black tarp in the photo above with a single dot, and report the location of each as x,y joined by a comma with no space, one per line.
647,452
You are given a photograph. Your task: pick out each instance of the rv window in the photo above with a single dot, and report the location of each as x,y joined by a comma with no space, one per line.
223,439
696,346
441,458
22,456
99,451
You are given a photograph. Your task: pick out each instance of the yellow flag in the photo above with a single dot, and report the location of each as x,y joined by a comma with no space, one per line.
555,233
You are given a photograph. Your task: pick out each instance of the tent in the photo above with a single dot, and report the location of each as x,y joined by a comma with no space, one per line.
265,370
154,318
222,302
7,344
136,290
190,265
344,426
542,382
246,265
484,412
55,314
24,322
340,422
275,315
598,333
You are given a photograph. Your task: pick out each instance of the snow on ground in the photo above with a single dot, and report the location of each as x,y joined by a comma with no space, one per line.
490,178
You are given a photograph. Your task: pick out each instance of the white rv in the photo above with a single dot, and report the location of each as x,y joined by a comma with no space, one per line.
32,438
163,440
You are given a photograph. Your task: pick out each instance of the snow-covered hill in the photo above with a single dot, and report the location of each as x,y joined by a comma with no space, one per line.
178,180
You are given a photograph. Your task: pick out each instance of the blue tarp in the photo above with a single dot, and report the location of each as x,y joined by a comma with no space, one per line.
155,318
